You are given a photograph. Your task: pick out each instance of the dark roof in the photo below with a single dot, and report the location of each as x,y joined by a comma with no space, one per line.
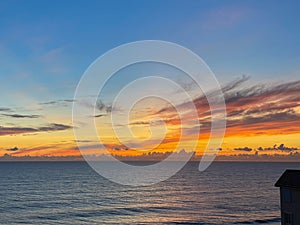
290,179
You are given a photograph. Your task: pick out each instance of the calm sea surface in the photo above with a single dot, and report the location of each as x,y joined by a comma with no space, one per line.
72,193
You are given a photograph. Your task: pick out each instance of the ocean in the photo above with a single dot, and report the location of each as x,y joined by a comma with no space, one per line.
72,193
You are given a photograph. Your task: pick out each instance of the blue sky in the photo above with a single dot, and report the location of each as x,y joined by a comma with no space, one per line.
45,46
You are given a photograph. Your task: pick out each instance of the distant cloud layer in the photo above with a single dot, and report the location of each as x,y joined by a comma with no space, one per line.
281,147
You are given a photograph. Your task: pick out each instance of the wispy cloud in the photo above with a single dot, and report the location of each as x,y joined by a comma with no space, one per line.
225,17
55,127
23,130
21,116
54,61
252,110
63,102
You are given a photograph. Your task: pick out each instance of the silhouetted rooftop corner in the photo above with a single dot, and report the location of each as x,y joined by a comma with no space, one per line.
289,179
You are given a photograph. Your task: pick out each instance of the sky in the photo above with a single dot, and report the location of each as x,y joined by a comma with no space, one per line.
251,46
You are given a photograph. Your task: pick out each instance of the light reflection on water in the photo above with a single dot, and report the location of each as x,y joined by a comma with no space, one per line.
72,193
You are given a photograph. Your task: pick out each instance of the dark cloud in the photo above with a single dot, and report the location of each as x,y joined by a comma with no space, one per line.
48,103
23,130
3,109
103,107
140,123
281,147
12,149
21,116
16,130
83,141
54,127
117,147
245,149
69,100
98,116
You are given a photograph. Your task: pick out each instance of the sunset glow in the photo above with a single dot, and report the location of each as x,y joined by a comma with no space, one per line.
40,72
